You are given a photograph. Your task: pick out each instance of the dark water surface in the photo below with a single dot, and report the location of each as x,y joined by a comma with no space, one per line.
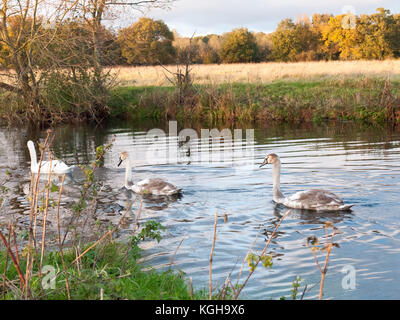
360,164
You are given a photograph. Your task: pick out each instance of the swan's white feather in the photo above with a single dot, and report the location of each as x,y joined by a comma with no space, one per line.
55,166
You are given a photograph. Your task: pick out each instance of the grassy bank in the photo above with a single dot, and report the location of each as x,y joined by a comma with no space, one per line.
368,91
109,271
364,99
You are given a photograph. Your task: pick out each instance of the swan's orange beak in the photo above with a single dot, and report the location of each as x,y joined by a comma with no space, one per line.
120,161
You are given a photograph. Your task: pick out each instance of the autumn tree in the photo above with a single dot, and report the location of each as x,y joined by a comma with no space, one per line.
203,49
344,40
320,23
147,42
294,41
380,35
186,47
239,45
374,36
264,45
206,53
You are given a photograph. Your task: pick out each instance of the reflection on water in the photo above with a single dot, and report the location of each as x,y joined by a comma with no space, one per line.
359,164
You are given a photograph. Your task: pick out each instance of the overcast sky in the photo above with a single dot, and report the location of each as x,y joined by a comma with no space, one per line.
218,16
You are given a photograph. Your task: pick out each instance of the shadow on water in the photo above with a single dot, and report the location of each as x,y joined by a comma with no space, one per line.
313,217
154,202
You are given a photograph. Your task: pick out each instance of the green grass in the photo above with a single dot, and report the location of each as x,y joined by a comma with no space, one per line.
103,268
371,100
125,101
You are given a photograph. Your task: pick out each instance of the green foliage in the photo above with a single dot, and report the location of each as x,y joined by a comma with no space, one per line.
146,42
239,46
150,230
252,260
295,287
75,94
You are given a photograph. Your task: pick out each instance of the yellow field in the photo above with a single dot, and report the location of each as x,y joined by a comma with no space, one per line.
260,72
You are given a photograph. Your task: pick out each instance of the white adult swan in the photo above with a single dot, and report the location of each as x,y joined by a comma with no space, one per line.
157,187
56,166
315,199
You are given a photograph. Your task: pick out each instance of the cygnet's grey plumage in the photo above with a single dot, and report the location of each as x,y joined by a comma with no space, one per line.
314,199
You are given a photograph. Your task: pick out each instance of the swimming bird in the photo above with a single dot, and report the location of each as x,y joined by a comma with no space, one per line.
314,199
152,186
56,166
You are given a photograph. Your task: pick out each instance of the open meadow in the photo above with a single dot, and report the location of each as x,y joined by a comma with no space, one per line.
259,72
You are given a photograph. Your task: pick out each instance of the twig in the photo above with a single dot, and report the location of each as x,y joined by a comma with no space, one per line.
21,277
108,233
262,253
191,288
5,266
176,250
244,260
135,227
314,241
33,216
304,292
11,285
59,237
92,246
15,244
211,256
45,216
323,273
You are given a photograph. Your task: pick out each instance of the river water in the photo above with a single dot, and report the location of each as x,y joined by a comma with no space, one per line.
359,163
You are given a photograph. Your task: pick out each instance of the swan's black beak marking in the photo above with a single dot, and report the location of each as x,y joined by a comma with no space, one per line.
120,161
263,164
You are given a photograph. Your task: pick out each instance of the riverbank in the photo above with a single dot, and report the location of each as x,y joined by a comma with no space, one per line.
110,272
373,100
367,99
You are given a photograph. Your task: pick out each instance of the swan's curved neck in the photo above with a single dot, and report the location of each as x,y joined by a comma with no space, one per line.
276,174
32,153
128,172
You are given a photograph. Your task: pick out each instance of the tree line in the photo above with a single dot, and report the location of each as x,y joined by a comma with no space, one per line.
321,37
151,42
